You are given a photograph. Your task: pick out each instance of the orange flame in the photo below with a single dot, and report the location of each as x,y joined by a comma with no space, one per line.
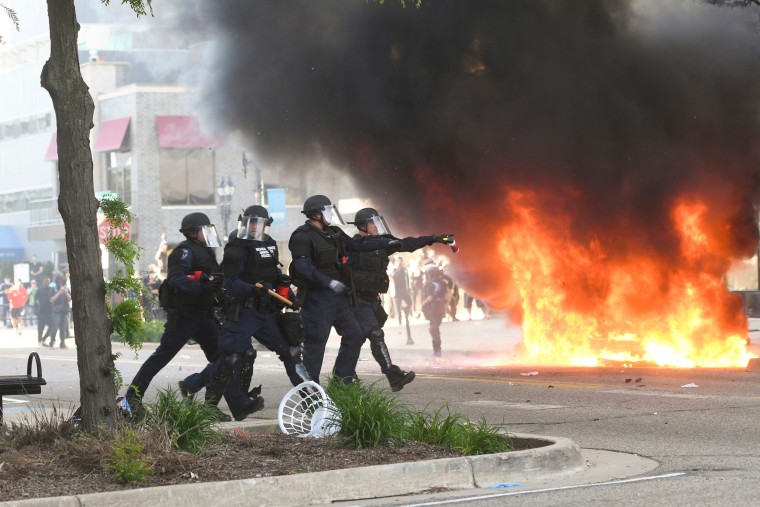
585,304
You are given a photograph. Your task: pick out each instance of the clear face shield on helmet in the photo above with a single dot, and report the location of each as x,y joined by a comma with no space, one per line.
377,223
332,216
252,228
210,236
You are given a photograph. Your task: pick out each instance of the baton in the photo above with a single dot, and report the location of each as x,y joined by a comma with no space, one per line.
275,295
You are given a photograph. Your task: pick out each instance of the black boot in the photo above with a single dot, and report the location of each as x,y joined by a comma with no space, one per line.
183,389
398,378
248,408
219,415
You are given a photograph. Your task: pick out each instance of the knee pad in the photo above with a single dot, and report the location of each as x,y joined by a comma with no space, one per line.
376,335
231,363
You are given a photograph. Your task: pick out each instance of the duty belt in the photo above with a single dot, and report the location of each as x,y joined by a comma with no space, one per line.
260,304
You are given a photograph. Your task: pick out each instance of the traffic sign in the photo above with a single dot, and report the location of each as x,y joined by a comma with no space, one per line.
106,230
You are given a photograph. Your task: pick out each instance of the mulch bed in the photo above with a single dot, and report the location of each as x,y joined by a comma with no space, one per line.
68,467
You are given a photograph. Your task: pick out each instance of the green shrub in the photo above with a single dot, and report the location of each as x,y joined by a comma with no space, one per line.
152,330
481,438
126,461
188,424
370,417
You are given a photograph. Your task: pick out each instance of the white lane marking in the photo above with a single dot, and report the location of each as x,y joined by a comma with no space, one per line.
506,404
561,488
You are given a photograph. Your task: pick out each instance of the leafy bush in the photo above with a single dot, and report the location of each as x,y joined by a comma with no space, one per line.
188,424
370,417
152,330
125,460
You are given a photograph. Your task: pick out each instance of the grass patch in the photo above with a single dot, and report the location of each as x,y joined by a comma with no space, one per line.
370,417
188,424
42,426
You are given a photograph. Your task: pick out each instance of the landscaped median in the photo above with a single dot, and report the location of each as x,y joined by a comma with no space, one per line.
540,457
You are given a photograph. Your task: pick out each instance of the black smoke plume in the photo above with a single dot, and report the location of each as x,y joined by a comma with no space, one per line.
615,108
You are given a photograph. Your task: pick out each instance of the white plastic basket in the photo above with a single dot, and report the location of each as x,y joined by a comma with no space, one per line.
307,411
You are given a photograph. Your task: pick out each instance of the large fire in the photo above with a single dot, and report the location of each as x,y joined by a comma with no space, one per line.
584,304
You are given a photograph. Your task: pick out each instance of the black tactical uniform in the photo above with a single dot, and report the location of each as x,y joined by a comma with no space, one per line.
251,312
189,304
370,278
324,291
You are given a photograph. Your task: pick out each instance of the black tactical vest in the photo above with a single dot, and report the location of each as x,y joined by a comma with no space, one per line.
324,253
203,260
262,260
370,272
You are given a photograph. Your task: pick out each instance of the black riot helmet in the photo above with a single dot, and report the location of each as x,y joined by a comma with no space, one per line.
366,216
253,222
315,204
194,222
320,204
257,211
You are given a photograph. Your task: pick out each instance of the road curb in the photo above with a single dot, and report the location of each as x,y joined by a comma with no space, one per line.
555,455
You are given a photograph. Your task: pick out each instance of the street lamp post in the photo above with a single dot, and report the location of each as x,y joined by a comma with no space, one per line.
224,190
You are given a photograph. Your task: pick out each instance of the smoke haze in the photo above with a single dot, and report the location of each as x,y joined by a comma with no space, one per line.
612,109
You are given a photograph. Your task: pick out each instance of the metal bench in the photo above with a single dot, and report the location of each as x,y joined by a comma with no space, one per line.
22,384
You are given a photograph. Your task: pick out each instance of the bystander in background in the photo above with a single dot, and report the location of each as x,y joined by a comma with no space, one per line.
17,297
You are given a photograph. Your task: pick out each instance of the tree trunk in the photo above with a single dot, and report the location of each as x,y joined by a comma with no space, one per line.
74,110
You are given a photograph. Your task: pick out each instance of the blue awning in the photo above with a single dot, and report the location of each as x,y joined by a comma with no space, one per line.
11,248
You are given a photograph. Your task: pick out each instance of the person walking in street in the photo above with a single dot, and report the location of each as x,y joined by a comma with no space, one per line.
319,249
30,313
434,304
17,297
4,307
251,268
370,279
188,295
403,296
59,302
44,309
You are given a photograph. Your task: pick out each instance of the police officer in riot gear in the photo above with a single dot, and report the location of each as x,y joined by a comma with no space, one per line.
370,277
319,251
251,267
188,295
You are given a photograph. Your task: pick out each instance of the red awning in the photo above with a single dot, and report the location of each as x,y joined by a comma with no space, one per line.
182,132
111,135
52,151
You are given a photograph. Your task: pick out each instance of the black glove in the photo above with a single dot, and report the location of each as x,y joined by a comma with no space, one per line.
295,306
261,292
445,239
284,280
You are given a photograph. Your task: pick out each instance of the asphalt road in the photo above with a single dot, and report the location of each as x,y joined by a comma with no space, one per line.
705,439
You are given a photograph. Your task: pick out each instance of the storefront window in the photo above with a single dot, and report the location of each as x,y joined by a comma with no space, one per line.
187,176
